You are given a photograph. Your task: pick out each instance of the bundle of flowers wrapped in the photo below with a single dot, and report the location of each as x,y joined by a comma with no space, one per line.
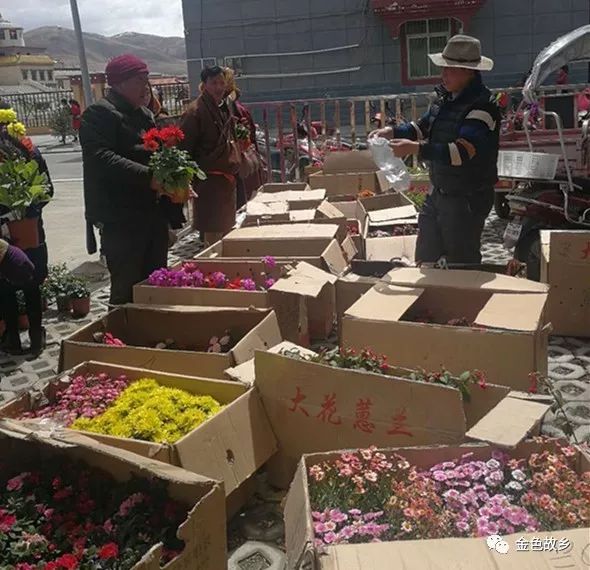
367,496
189,275
120,407
370,361
150,412
66,515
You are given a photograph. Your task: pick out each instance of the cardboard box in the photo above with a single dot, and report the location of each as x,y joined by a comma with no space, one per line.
298,196
349,173
565,267
448,553
203,531
509,340
355,215
299,284
349,289
230,446
314,407
142,327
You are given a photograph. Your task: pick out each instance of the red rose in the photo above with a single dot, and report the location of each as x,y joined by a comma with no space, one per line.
151,145
51,566
110,550
68,561
7,521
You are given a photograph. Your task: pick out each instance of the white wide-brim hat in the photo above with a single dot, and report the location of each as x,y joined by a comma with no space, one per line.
462,51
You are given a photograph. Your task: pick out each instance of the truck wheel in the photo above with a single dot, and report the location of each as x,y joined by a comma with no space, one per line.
501,205
529,251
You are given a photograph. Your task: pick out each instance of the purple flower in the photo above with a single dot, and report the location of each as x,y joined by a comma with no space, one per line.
218,279
268,283
497,476
439,476
338,516
248,285
462,526
354,512
269,261
330,538
493,464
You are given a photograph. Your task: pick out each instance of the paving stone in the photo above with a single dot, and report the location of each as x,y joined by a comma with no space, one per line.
6,397
18,382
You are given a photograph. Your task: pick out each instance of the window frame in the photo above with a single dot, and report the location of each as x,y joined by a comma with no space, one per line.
13,34
405,37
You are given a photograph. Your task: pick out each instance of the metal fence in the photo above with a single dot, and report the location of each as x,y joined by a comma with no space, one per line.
37,109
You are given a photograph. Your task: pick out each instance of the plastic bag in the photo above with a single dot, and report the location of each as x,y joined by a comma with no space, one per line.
393,167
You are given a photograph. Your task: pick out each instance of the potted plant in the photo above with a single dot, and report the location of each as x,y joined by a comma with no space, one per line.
22,189
79,295
45,296
23,318
57,286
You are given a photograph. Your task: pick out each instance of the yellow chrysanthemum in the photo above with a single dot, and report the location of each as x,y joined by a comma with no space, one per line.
7,116
150,412
16,130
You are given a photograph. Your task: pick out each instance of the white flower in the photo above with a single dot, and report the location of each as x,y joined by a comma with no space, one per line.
518,475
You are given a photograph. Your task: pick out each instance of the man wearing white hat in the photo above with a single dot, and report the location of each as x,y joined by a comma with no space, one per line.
459,138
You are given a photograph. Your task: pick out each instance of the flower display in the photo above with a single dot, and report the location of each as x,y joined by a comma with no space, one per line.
107,338
394,231
368,495
189,275
85,396
7,116
16,130
171,166
369,361
220,344
150,412
66,515
353,228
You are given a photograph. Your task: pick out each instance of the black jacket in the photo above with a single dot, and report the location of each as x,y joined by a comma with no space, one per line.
116,173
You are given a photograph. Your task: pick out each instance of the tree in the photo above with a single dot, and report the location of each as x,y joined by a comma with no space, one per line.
60,124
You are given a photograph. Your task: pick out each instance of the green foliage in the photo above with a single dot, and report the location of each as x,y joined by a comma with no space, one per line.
60,123
22,186
174,169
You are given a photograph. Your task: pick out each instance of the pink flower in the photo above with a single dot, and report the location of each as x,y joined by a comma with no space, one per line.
248,285
16,483
330,538
439,476
269,261
462,526
7,520
371,476
129,503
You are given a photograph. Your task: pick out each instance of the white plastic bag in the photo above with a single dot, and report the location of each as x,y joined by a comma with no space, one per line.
393,167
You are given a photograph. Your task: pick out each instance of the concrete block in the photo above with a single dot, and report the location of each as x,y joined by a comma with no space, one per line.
257,556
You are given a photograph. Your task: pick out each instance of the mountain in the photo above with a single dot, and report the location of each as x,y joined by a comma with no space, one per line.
163,55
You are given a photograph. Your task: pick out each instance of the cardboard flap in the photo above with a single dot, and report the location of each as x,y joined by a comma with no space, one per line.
384,303
512,311
463,279
245,372
510,422
302,215
327,210
349,161
399,213
283,231
264,335
349,249
386,249
304,279
569,248
334,258
258,208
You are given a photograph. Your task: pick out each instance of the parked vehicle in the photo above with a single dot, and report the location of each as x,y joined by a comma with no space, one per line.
540,199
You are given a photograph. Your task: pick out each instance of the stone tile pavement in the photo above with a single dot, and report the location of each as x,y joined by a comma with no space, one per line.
569,358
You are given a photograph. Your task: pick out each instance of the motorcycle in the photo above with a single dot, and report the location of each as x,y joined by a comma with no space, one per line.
540,200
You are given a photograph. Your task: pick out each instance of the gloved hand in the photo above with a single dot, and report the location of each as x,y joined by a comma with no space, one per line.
15,266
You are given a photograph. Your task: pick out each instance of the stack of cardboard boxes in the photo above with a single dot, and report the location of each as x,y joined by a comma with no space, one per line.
274,405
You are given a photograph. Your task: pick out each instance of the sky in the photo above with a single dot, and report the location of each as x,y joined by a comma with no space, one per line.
107,17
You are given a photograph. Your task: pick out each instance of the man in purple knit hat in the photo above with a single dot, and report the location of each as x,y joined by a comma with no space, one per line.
121,196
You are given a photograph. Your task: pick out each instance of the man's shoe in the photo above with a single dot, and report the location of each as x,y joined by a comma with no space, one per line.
38,340
11,343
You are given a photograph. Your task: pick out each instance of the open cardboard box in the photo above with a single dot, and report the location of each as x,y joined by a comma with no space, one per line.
356,216
349,172
142,327
258,213
230,446
296,285
203,532
565,267
298,196
507,342
439,554
314,407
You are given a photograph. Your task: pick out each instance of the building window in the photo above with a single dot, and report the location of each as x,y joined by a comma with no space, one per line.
49,75
25,74
41,75
60,84
421,38
13,35
34,74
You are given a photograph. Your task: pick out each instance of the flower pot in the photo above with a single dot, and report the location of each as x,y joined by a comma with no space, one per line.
80,307
24,233
64,304
23,322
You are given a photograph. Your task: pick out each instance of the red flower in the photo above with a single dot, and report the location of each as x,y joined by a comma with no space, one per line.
171,136
6,520
151,145
28,144
110,550
68,561
151,140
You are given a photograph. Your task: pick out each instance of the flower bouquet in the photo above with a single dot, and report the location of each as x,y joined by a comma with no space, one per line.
374,496
171,166
62,514
22,190
243,136
140,409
